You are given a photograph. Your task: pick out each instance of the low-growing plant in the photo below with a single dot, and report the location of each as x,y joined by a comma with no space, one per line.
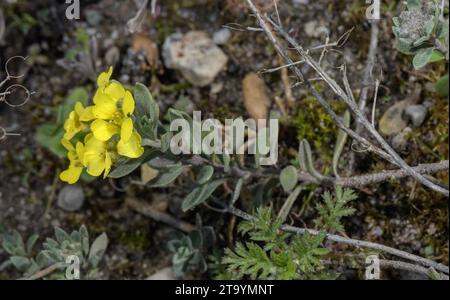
275,254
54,253
189,250
423,32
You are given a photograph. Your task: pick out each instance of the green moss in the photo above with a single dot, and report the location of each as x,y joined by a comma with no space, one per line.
313,123
133,240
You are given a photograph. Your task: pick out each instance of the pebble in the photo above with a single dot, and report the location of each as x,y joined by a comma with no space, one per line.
164,274
417,114
314,29
71,198
392,121
195,55
222,36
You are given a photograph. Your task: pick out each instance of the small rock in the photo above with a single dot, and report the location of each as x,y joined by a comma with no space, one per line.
222,36
417,114
314,29
143,43
164,274
392,121
195,55
71,198
256,100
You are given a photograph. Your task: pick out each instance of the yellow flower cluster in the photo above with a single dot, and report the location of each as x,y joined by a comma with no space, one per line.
109,131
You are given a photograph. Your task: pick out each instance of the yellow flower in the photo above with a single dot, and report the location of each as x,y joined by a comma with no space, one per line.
113,109
73,173
98,156
111,135
132,148
75,123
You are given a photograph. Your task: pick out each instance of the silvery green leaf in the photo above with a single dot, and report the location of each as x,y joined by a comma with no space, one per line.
287,205
128,166
340,143
165,141
420,41
51,243
205,174
32,269
52,256
302,157
161,162
146,127
5,265
61,235
309,160
442,86
200,194
436,56
168,176
237,191
145,104
8,247
43,259
396,21
84,235
442,29
75,237
20,263
30,242
429,27
413,4
226,162
20,245
174,114
422,58
403,48
97,250
289,178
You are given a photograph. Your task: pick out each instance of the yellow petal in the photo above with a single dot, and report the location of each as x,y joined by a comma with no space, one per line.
94,146
87,115
132,148
115,90
96,167
67,145
105,107
97,95
79,108
103,78
128,104
126,130
80,151
108,164
71,175
70,126
103,130
93,150
73,158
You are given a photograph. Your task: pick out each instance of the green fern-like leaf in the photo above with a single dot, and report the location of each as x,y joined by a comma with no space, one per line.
333,209
265,229
250,260
308,250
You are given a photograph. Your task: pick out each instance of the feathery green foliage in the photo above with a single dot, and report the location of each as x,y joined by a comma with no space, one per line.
274,254
333,209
